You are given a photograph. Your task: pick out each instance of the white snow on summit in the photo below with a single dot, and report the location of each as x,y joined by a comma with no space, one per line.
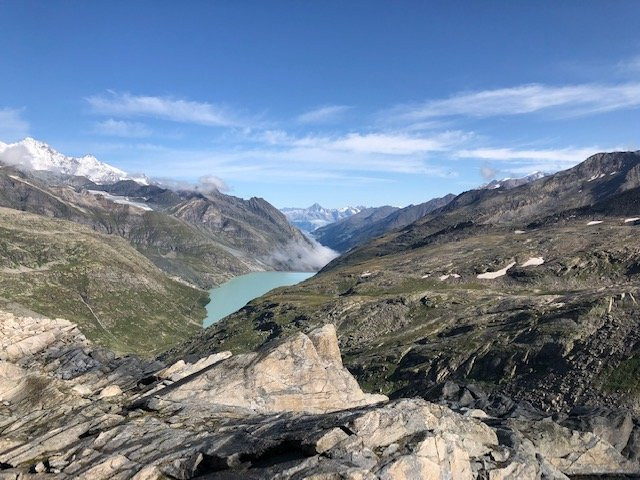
508,182
316,216
30,154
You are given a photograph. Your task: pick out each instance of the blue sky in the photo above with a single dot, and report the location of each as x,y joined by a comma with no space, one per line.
365,102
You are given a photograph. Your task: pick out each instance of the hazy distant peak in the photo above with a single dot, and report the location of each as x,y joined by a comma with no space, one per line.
316,216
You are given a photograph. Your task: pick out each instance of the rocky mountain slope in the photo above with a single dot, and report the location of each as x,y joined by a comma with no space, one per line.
203,237
289,410
116,295
313,217
174,245
370,223
195,240
525,298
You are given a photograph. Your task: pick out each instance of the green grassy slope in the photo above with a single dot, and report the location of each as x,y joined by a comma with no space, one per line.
116,296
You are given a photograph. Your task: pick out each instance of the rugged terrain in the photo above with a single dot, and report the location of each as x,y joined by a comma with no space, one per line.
290,410
529,295
374,222
197,233
202,238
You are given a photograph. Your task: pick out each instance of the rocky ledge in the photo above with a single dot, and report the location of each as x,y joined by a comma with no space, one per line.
70,409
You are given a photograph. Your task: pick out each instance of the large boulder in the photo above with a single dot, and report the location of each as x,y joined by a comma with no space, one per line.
573,452
300,373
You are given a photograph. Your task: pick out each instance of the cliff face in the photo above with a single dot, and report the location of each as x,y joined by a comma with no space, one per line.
70,409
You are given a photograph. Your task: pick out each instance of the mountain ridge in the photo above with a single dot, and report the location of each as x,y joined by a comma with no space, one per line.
315,216
31,154
231,235
370,223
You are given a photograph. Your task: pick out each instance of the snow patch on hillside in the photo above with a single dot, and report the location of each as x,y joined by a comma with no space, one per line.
120,200
442,278
497,273
533,262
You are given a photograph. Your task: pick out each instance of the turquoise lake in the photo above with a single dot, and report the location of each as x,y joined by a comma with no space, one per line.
237,292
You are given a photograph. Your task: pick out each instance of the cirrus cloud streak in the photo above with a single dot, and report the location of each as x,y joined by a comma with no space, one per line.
165,108
567,100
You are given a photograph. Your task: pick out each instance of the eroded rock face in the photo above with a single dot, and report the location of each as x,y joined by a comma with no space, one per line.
300,373
69,409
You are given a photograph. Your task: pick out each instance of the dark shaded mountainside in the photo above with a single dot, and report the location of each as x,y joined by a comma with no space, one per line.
507,299
369,223
199,240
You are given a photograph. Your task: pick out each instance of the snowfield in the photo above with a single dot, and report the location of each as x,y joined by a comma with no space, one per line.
497,273
120,200
533,262
447,276
595,222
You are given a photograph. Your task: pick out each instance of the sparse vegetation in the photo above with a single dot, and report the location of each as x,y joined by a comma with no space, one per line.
117,297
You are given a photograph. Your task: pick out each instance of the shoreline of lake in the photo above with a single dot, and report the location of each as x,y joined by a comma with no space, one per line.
231,296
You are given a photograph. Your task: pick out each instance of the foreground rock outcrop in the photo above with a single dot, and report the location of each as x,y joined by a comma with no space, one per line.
301,373
69,409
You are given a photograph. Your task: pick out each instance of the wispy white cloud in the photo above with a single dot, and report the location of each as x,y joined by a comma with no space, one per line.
384,143
212,182
630,65
122,128
566,100
167,108
12,125
566,155
280,157
488,172
524,161
323,114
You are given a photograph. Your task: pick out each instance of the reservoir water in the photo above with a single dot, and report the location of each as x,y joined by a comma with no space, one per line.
237,292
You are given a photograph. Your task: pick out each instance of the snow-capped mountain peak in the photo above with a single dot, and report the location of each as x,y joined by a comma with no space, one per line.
508,182
31,154
316,216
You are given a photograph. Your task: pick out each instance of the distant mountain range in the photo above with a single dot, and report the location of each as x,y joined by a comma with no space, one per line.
372,222
316,216
368,223
198,239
